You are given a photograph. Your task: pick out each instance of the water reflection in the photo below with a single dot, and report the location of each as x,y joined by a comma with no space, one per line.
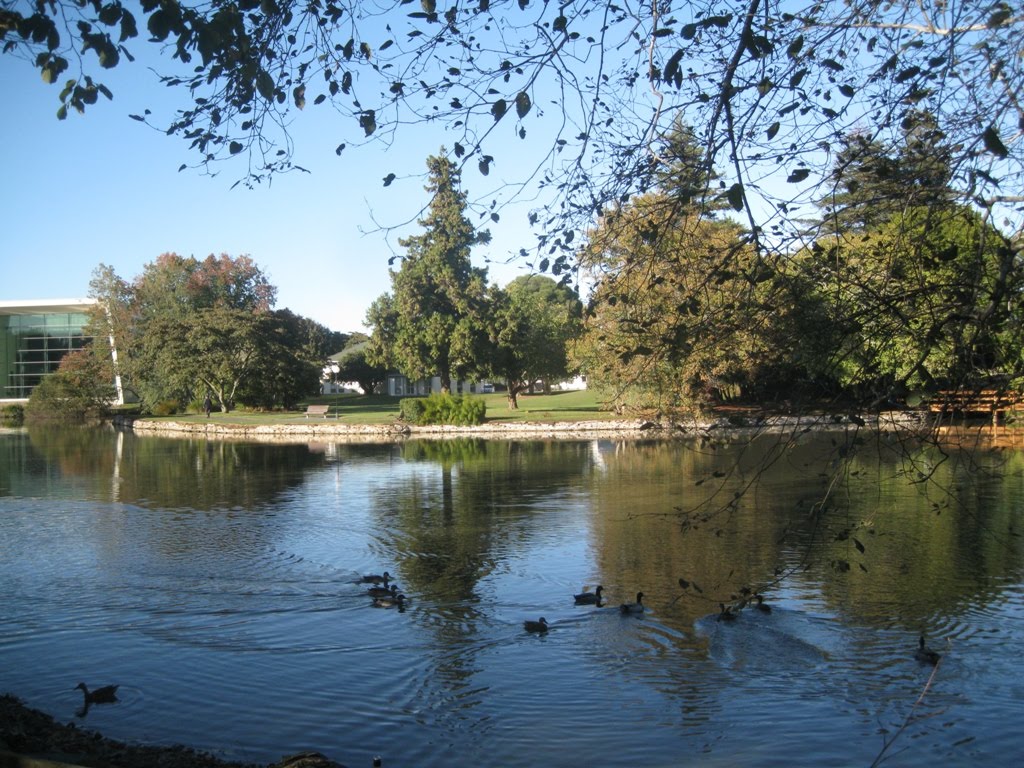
237,563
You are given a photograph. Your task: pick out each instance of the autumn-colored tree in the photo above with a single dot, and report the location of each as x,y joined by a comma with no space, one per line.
185,326
667,325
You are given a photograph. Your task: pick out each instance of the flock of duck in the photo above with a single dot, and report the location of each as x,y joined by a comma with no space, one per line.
386,595
726,613
588,598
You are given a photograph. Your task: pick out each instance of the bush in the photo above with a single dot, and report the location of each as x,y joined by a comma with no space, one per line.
460,411
81,389
166,408
12,415
410,409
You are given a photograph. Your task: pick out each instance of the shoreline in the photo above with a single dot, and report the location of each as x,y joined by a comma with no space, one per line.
30,738
621,429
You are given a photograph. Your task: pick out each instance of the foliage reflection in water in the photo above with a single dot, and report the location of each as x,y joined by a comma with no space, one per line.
217,582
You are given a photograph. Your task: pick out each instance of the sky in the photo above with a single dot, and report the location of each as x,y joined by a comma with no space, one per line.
101,188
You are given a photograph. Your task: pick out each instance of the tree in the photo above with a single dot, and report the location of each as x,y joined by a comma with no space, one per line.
872,182
926,300
81,388
185,326
354,364
534,320
294,349
668,324
773,86
584,90
213,349
433,324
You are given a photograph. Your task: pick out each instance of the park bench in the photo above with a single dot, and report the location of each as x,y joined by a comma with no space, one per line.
318,410
968,402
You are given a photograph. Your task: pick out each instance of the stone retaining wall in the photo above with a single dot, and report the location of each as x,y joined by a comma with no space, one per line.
340,432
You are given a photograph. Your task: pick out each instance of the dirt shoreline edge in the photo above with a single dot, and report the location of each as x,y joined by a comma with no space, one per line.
30,738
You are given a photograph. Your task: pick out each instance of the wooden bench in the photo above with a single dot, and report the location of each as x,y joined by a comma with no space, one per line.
967,402
318,410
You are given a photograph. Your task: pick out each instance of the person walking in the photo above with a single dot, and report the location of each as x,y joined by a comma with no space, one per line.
207,405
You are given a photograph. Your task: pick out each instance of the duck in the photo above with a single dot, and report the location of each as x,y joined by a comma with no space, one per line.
391,591
761,606
541,625
374,578
589,598
395,601
637,607
926,655
725,613
105,695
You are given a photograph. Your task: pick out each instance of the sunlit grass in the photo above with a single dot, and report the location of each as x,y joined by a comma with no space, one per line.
582,405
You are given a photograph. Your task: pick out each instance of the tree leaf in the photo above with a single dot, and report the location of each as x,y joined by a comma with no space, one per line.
523,104
235,147
265,85
299,94
772,130
993,143
735,197
368,121
795,46
798,175
907,74
388,179
498,109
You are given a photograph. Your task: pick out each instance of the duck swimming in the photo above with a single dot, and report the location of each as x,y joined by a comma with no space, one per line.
725,613
761,606
589,598
541,625
396,601
637,607
391,591
374,578
926,655
105,695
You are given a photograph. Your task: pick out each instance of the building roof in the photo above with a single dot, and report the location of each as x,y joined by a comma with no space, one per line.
38,306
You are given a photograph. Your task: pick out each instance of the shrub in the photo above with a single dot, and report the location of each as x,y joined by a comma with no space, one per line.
12,415
410,409
460,411
166,408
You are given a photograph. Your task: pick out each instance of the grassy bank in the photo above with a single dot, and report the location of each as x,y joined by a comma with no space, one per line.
381,409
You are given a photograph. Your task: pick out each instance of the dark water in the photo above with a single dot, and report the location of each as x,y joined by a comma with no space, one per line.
214,583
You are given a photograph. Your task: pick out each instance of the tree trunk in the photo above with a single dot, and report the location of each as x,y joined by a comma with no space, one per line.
513,395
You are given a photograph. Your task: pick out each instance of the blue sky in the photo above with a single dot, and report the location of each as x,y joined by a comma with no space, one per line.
102,188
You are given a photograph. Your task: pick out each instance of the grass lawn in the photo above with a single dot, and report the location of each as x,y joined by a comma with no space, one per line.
381,409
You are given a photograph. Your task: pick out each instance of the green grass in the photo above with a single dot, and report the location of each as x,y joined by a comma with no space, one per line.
381,409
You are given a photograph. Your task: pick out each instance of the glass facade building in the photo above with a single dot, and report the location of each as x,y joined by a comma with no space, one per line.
34,337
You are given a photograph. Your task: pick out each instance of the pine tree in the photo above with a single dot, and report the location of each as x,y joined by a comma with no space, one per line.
434,323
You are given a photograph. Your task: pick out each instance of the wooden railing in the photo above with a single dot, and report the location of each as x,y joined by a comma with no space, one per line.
977,402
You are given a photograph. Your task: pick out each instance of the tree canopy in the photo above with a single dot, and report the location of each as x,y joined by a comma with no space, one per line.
533,321
770,87
433,322
186,327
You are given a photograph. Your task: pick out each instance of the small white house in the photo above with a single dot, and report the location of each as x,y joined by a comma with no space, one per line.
399,386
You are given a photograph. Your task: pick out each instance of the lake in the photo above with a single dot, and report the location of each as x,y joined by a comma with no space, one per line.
217,584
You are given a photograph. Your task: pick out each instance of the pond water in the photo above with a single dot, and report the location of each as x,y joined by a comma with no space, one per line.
215,582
